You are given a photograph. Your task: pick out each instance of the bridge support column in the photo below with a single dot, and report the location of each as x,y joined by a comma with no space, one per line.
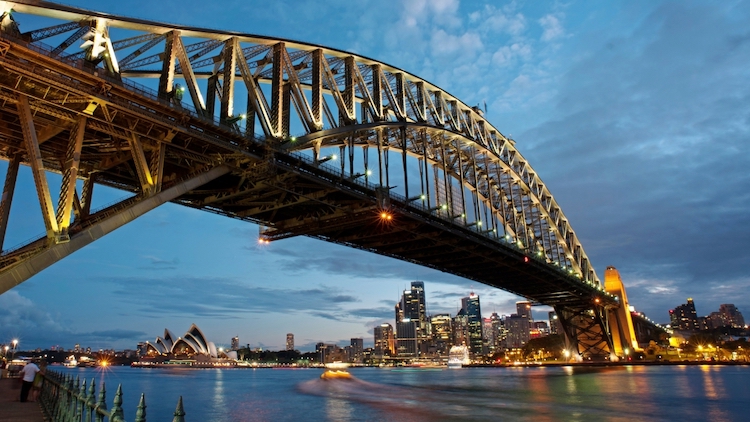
34,156
8,190
620,321
22,270
586,331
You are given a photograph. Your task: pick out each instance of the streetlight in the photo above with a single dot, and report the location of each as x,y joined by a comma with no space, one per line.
15,343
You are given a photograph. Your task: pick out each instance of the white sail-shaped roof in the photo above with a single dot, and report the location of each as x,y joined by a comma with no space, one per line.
212,349
196,333
160,346
169,338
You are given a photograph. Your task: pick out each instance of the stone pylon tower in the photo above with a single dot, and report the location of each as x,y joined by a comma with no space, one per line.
620,321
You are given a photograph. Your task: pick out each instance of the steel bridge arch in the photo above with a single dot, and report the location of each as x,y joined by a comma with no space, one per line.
498,195
302,75
303,97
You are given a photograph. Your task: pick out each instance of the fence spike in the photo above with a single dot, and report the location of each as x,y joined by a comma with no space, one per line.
117,406
179,412
101,403
140,414
89,402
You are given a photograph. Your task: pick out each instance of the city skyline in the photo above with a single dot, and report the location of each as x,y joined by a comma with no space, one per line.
631,112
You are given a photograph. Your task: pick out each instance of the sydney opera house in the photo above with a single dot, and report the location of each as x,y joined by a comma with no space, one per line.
192,344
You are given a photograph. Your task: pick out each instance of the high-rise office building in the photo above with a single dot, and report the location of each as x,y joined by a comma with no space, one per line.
385,344
356,350
470,306
235,345
413,307
407,344
684,317
555,327
290,341
732,315
518,331
442,333
460,329
523,309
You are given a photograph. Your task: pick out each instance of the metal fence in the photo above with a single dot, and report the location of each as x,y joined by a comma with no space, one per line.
67,399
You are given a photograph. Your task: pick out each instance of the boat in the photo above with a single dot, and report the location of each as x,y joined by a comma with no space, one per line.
70,362
458,357
335,374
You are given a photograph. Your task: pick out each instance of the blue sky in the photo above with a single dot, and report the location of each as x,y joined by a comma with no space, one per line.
636,114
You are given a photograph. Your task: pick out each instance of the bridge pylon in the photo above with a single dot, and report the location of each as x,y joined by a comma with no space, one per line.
620,322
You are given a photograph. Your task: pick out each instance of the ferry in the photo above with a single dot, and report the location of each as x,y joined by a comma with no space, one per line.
458,357
70,362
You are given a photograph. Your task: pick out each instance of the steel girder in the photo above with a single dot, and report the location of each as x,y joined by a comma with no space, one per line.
137,140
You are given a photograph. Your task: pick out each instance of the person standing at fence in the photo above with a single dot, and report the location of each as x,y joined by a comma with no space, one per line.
27,375
36,387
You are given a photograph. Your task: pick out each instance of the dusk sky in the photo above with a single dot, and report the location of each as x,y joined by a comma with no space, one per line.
636,114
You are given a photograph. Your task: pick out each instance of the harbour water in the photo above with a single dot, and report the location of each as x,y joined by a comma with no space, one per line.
623,393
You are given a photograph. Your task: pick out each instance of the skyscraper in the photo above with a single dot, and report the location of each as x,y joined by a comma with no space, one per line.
414,308
290,341
732,315
523,309
519,332
684,317
442,333
384,340
356,350
470,306
235,343
407,344
554,323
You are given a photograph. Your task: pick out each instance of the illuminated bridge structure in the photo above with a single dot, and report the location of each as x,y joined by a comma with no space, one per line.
298,138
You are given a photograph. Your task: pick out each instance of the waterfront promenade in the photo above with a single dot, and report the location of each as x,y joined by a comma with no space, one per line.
12,410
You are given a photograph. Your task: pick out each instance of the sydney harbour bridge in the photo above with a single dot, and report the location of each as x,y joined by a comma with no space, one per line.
301,139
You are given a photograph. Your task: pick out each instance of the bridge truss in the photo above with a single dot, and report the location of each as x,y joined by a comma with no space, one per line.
298,138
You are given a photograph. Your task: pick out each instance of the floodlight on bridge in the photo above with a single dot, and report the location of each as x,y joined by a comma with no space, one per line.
235,119
331,157
417,198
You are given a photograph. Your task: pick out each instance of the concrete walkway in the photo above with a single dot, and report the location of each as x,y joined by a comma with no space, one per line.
11,409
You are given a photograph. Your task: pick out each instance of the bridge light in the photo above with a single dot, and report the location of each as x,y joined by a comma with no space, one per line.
596,300
328,158
368,172
386,216
525,259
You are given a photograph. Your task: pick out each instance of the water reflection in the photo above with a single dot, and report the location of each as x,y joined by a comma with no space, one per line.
471,394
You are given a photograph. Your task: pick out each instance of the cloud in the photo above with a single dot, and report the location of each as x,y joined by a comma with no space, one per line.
653,132
552,28
156,263
22,319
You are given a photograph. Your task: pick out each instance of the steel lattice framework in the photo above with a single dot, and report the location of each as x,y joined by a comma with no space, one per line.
249,126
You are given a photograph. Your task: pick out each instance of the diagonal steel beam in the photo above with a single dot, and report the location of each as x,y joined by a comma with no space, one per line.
34,157
70,175
32,265
8,190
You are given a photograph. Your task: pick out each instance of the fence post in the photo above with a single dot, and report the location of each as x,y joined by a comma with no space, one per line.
179,413
117,405
101,404
90,403
140,414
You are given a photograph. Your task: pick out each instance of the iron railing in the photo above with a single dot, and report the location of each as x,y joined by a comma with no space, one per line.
67,399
